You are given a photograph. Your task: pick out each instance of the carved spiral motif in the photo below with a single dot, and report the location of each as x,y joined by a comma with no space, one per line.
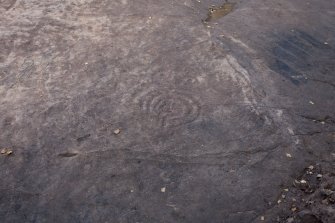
170,108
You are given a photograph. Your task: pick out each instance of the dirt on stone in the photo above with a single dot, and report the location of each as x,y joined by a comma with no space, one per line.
216,12
309,199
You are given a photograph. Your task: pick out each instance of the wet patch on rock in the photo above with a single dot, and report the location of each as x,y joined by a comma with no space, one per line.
217,12
298,56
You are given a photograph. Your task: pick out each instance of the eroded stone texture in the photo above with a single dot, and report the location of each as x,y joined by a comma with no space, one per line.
206,110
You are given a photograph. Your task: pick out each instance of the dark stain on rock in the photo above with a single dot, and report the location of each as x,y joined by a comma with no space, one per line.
82,138
299,55
6,46
8,121
217,12
67,154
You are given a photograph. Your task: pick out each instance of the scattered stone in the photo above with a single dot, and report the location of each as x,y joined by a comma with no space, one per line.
310,202
303,185
286,189
262,218
326,192
163,189
309,172
319,176
312,103
288,155
117,131
6,152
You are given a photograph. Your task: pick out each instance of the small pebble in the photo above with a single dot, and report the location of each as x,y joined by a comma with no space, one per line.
326,192
262,218
6,152
117,131
319,176
309,202
163,189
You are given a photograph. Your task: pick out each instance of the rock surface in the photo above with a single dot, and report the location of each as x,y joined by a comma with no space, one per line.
105,103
